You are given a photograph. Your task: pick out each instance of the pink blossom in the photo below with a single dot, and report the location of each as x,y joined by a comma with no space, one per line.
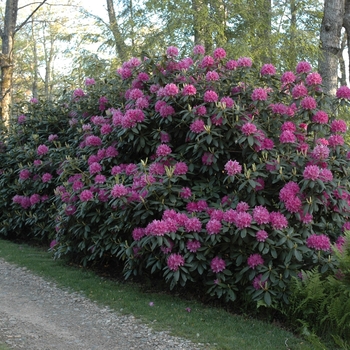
42,150
303,67
219,53
259,94
172,51
261,236
189,90
207,158
326,175
268,69
278,220
199,50
244,62
231,65
341,240
100,179
166,110
199,110
288,126
287,137
232,167
212,76
318,242
185,193
175,261
230,216
217,264
119,190
156,168
227,101
207,61
258,283
167,249
164,137
336,140
181,168
90,81
202,205
299,91
266,144
124,73
249,128
93,140
86,196
24,174
293,204
311,172
261,215
320,117
290,189
288,78
193,225
243,220
46,177
343,92
213,226
197,126
314,79
308,103
306,218
279,108
95,168
255,260
210,96
242,206
52,137
34,199
37,162
338,125
21,119
171,90
163,150
320,152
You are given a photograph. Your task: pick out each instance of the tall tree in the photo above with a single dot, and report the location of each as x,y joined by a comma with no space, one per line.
7,34
330,35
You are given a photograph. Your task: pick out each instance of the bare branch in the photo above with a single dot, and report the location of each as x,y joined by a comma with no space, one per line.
29,17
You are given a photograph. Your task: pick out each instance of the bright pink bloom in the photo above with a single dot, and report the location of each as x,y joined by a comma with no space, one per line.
100,179
320,117
336,140
343,92
207,61
46,177
93,140
95,168
230,216
219,53
259,94
227,101
34,199
213,226
193,246
189,90
261,215
318,242
242,206
249,128
197,126
210,96
138,233
217,265
199,110
212,76
164,137
163,150
261,236
243,220
293,204
303,67
288,126
52,137
119,190
279,108
244,62
185,193
308,103
326,175
24,174
199,50
86,196
287,137
156,168
258,283
320,152
207,158
181,168
232,167
166,111
338,125
77,185
311,172
255,260
172,51
193,225
268,69
171,90
42,150
314,79
231,65
299,91
288,78
278,220
175,261
290,189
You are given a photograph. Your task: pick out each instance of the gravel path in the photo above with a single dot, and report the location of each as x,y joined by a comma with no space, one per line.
37,315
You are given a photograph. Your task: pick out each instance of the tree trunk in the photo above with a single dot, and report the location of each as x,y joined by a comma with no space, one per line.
6,62
35,64
342,78
330,35
346,24
121,48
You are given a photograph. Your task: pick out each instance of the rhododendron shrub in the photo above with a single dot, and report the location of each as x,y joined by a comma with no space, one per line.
204,169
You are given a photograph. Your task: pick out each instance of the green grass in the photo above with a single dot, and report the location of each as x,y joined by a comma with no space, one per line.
203,324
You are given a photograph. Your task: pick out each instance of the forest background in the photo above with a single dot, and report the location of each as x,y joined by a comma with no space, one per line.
52,46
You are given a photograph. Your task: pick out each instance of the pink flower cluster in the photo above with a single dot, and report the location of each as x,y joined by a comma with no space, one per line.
175,261
232,167
217,264
318,242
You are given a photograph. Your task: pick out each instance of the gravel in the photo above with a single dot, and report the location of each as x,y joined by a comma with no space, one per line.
37,315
